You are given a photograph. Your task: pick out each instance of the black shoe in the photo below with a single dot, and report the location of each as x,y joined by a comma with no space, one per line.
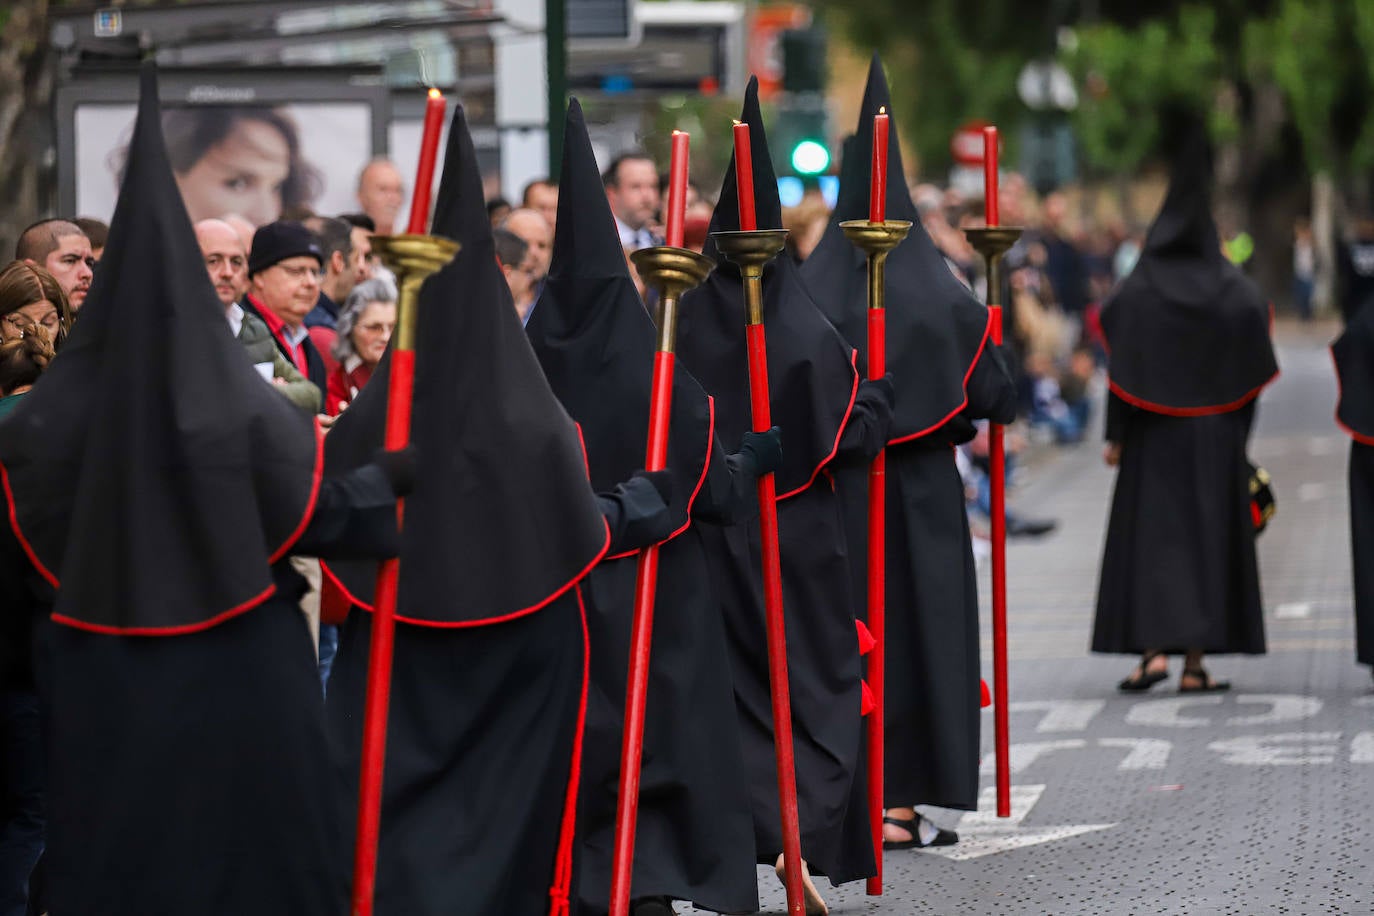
1206,684
912,826
651,906
1029,527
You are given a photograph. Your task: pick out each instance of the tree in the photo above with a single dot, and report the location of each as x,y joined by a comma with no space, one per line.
25,88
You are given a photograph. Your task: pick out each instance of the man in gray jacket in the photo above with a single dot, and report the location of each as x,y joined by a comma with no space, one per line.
227,262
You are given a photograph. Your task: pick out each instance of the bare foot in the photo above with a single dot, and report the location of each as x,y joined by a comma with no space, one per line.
815,906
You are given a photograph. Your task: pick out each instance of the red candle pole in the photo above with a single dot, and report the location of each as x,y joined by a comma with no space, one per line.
744,178
877,192
877,526
677,190
429,151
412,271
997,469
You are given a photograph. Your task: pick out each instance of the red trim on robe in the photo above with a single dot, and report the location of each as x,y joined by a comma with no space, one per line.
561,889
182,630
982,345
19,534
701,481
1209,411
1340,393
853,393
485,621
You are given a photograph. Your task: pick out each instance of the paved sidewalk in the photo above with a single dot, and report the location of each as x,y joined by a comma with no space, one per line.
1253,802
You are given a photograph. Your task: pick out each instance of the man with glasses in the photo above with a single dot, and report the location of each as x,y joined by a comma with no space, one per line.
62,249
284,273
227,263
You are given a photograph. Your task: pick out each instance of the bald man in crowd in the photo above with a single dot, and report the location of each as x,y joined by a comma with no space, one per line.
536,232
62,249
381,191
226,259
542,195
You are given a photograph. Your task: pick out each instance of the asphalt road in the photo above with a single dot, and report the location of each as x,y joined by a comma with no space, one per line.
1253,802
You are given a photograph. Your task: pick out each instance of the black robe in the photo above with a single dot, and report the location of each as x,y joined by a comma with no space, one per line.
1179,570
814,388
1353,354
210,799
1189,352
946,376
596,344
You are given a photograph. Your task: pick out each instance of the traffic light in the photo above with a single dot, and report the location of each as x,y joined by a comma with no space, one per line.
801,122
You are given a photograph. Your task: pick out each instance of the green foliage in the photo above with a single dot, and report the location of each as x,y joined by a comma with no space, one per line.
1126,75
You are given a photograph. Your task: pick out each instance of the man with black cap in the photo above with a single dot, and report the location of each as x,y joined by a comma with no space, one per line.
158,485
1188,355
948,376
827,417
284,274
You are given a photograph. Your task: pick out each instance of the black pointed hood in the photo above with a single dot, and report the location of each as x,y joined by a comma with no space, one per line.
936,327
596,343
502,520
1187,331
1353,352
151,471
811,371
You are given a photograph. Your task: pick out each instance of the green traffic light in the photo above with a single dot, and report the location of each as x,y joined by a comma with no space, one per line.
810,158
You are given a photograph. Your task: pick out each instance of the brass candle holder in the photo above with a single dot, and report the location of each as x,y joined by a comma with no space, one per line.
875,240
992,242
751,250
413,258
670,272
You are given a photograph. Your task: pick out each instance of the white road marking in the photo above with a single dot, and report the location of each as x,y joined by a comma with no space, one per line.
1169,713
1293,610
1311,492
1061,715
1024,754
1362,748
1287,749
1286,708
982,833
1146,753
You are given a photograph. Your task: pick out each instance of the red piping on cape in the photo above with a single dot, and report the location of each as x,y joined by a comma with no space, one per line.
1209,411
485,621
1340,394
848,411
561,888
183,629
982,345
701,481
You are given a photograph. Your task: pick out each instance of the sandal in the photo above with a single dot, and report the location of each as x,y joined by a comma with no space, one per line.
1147,678
911,825
1207,686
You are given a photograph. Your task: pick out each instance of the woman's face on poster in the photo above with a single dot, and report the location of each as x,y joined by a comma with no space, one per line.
242,174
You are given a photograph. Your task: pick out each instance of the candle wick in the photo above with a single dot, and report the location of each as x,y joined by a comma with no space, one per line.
882,109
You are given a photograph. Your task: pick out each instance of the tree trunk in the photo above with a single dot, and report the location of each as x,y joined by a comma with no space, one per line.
25,90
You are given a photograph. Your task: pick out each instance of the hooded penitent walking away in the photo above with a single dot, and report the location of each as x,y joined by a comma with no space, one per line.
823,415
1353,352
185,731
1188,336
596,343
947,374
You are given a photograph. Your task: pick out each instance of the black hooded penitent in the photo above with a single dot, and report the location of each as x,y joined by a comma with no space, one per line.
596,342
813,385
1188,332
1189,353
152,473
936,328
159,479
1353,352
811,372
489,685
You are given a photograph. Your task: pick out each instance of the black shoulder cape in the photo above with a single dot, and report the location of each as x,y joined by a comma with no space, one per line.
502,519
1353,353
1187,332
811,370
596,343
936,327
151,473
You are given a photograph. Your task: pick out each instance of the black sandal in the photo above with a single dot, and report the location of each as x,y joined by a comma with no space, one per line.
1208,685
1147,678
942,837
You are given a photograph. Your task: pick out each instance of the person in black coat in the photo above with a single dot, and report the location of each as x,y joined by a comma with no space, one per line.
1353,352
1189,353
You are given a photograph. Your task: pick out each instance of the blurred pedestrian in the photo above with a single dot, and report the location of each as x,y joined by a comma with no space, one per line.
97,231
343,264
517,264
1304,268
541,194
537,233
381,192
631,183
1190,352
